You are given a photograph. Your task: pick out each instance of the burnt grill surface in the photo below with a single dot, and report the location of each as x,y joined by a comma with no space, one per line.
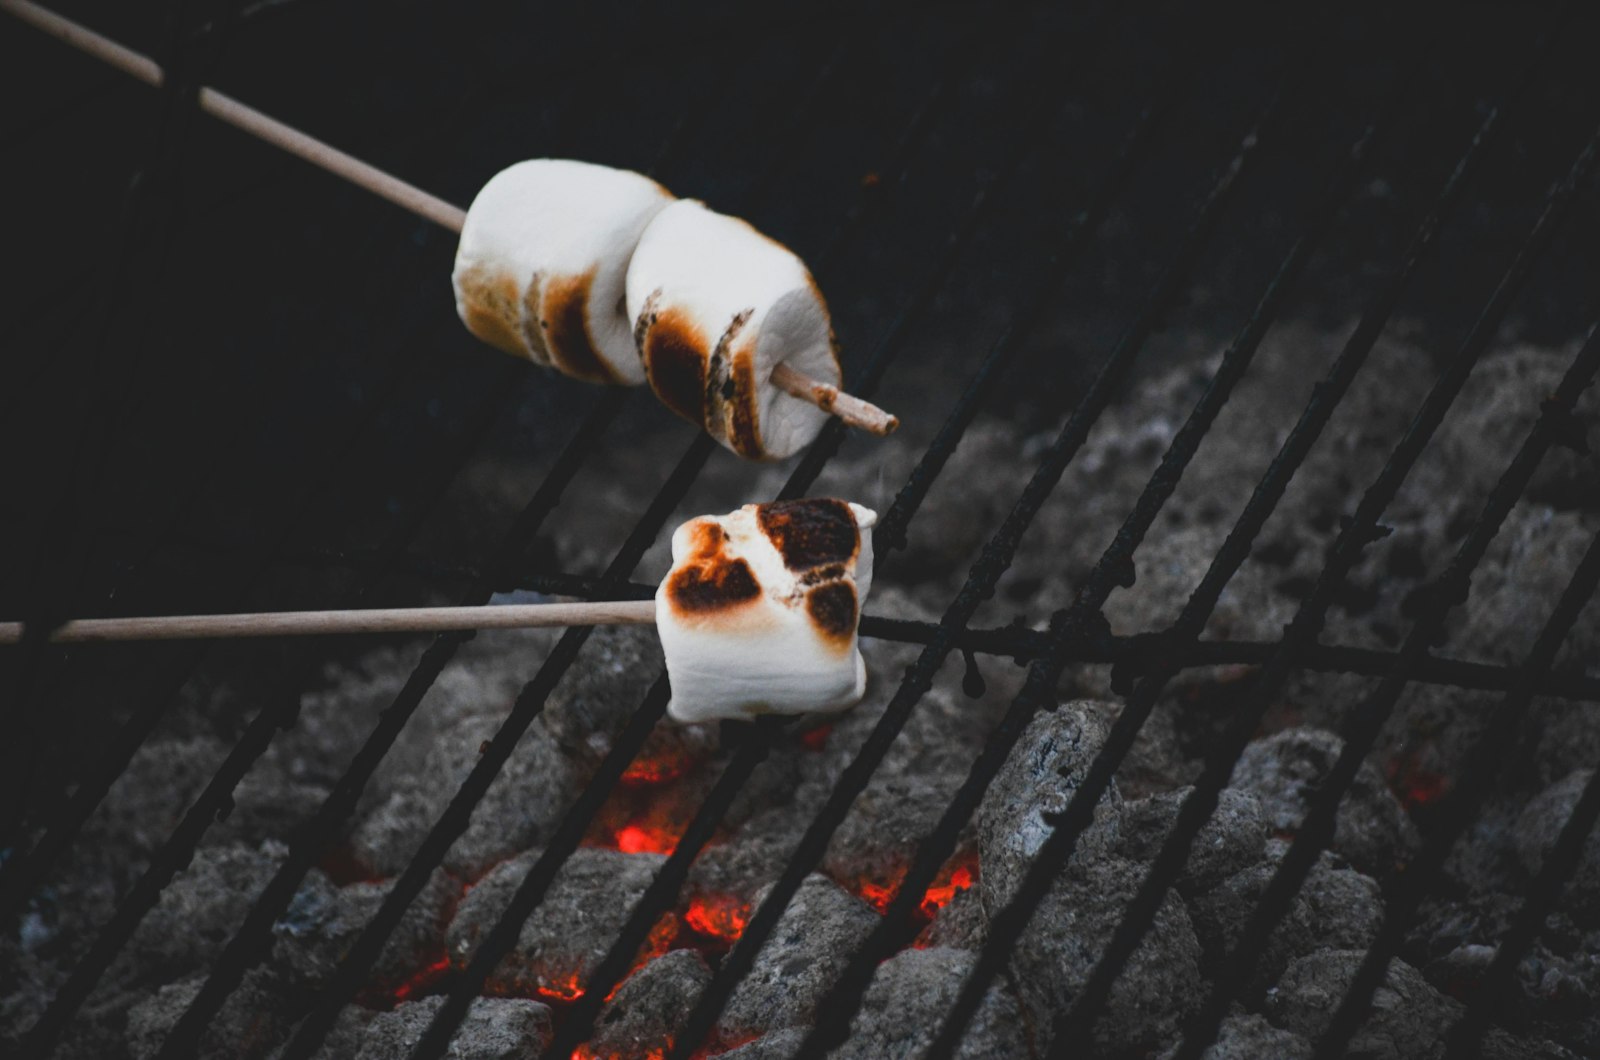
1244,356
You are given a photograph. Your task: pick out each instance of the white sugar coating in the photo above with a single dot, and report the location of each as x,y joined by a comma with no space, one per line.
542,264
743,304
767,654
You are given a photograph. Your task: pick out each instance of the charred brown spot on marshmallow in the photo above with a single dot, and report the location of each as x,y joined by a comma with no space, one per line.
532,331
817,575
832,608
706,538
675,356
811,533
490,309
566,326
744,426
712,585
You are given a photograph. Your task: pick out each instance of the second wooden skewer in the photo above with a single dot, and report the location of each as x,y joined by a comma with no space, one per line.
374,620
855,411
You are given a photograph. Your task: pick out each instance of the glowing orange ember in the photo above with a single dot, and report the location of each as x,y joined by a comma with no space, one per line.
718,916
640,839
421,980
816,739
939,895
959,873
649,770
563,990
1415,785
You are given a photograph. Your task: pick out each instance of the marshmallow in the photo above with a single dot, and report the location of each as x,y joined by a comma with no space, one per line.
759,612
542,263
716,306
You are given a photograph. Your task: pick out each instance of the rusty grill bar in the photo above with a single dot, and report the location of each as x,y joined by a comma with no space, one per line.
1144,664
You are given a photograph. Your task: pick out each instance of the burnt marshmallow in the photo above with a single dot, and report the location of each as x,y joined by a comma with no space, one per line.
541,268
716,306
759,612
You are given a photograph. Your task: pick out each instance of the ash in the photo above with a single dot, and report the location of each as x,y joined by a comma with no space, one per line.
1306,964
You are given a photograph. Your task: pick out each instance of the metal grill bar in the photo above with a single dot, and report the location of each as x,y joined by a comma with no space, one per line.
1133,654
663,890
993,562
1448,592
313,835
351,973
1465,1038
895,929
1007,926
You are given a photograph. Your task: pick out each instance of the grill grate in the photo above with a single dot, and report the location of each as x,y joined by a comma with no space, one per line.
1144,663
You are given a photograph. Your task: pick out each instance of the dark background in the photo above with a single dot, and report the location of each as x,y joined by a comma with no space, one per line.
230,377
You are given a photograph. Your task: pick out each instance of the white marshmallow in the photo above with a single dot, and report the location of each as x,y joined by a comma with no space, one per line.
542,264
759,612
716,307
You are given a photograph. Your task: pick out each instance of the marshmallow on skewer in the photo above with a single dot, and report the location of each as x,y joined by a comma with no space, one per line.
759,612
716,307
541,268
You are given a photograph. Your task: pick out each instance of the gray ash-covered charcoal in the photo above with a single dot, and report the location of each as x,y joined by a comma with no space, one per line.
1233,838
253,1021
1219,917
1037,782
344,1037
495,1028
752,857
1371,829
199,911
1170,566
152,794
1247,1036
960,924
324,920
1158,986
907,1002
1537,831
565,938
648,1010
266,806
779,1045
821,927
592,703
1528,564
1408,1019
1335,907
518,812
875,845
1497,408
1345,907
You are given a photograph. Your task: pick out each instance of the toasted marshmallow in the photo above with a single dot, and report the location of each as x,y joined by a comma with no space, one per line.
543,260
716,306
759,612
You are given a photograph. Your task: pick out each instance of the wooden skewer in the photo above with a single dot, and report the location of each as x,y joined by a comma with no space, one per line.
829,398
853,410
381,620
